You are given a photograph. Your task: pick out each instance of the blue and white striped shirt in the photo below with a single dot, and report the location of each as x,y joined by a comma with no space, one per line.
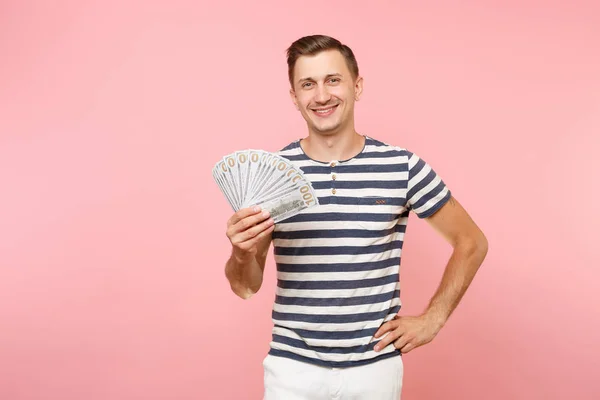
338,263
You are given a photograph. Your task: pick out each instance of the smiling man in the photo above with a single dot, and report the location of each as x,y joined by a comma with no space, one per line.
337,330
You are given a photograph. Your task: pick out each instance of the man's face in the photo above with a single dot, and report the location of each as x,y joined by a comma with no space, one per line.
324,91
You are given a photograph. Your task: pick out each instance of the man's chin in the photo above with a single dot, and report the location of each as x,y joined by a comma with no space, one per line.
327,129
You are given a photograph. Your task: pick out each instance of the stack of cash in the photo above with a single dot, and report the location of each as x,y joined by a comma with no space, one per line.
257,177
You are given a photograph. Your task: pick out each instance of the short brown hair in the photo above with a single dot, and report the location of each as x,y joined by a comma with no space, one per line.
314,44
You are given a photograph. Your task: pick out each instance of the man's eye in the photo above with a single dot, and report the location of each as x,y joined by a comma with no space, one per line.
306,84
334,80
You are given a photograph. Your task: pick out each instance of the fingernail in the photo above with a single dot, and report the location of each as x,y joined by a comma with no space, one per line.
265,213
256,209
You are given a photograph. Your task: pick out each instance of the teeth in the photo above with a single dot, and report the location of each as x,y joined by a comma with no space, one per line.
324,111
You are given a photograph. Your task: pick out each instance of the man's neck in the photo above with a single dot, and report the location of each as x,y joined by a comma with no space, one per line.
340,146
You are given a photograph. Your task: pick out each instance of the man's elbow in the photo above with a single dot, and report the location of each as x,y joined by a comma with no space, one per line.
482,243
474,245
244,293
480,246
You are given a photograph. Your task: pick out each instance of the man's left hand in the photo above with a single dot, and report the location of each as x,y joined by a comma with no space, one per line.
408,333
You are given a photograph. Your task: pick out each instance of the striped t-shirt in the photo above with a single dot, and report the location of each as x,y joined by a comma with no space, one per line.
338,263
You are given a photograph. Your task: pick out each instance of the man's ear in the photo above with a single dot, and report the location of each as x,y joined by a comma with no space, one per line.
358,88
293,96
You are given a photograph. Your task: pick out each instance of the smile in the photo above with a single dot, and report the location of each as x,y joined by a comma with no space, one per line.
325,112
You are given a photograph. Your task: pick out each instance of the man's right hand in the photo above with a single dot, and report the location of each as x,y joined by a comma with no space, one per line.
245,229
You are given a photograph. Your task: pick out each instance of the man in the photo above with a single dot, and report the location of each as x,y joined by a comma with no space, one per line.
337,333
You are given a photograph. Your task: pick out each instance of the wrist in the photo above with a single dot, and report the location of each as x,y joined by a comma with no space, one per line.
436,318
242,257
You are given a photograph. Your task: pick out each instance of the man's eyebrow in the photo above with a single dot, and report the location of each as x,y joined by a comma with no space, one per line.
312,79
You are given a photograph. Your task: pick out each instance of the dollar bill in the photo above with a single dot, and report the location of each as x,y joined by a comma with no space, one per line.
257,177
285,206
224,179
223,187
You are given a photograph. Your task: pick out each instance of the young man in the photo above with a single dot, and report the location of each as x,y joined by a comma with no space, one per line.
337,333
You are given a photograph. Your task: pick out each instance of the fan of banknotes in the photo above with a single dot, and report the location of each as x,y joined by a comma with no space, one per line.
257,177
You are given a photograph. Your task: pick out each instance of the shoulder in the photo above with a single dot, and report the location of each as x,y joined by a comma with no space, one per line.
293,145
292,152
289,149
375,147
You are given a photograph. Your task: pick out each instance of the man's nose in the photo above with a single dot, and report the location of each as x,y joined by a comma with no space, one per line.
322,95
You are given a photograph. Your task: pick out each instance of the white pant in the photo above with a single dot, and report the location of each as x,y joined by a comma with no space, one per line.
286,379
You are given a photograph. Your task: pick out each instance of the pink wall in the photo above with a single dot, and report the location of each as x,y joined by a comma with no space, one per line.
112,232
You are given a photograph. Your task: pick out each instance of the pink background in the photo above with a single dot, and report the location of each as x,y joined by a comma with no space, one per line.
112,231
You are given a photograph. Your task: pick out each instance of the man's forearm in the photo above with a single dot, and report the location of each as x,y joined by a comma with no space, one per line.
245,275
458,275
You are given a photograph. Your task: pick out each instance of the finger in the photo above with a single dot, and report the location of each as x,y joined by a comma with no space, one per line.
255,239
257,229
388,326
401,342
250,221
243,213
408,347
390,337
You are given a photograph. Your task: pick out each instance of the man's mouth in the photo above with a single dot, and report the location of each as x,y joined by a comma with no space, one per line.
324,112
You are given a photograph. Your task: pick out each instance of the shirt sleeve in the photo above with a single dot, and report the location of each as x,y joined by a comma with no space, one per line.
427,192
